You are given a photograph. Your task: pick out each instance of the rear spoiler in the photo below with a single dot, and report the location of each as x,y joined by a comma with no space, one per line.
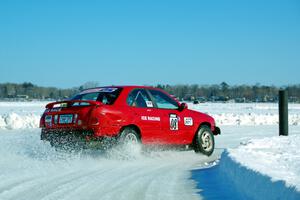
70,103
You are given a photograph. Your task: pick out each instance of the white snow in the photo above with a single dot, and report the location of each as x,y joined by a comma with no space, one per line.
31,169
277,157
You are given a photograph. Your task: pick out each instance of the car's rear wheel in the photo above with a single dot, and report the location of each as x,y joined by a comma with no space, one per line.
129,136
129,144
204,141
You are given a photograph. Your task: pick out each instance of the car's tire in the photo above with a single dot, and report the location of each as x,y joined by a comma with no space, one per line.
204,141
129,136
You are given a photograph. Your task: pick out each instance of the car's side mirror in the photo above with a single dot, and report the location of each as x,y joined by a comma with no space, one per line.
182,106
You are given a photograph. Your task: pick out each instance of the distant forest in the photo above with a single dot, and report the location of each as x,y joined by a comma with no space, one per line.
201,93
237,93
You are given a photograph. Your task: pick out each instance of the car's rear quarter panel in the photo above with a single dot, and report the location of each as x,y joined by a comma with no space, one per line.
112,119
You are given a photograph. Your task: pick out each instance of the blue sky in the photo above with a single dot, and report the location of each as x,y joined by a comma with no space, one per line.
66,43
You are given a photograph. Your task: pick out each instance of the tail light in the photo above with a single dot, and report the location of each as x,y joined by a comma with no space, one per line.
42,121
48,120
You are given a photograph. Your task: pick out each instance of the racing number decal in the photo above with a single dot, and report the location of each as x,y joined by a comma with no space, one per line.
173,122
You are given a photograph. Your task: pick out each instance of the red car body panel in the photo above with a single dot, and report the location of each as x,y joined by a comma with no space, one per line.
154,124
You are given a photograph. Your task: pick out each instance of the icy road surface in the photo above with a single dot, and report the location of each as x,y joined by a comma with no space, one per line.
31,169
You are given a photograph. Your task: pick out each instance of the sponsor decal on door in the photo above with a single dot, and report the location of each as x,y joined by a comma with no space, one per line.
173,122
188,121
150,118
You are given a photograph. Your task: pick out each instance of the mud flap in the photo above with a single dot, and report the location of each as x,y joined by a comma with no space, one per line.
217,131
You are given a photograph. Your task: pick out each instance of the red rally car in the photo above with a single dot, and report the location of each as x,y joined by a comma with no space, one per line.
128,114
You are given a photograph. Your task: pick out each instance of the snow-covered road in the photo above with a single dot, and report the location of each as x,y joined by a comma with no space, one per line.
31,169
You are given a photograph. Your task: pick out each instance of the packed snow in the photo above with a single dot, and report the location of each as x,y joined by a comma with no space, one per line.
277,157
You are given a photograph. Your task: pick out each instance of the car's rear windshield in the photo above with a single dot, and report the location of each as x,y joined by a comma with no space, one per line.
104,95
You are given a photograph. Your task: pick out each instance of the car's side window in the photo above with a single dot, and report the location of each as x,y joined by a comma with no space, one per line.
139,98
163,101
90,96
104,95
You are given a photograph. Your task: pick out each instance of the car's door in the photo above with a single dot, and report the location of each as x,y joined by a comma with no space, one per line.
174,127
146,117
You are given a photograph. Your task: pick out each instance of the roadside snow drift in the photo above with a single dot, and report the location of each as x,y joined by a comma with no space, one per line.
266,168
20,115
16,121
277,157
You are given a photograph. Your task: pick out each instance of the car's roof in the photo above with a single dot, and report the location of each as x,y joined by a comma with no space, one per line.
127,88
123,86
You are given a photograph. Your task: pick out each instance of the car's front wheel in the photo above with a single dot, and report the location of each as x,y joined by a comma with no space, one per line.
204,141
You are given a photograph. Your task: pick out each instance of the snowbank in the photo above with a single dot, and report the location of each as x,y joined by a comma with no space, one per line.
20,115
276,157
267,168
231,180
15,121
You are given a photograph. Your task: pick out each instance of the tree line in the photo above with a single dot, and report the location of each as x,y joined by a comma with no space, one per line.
194,92
225,92
31,91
